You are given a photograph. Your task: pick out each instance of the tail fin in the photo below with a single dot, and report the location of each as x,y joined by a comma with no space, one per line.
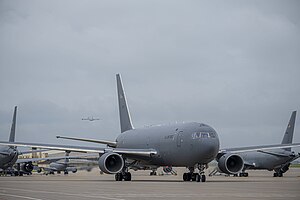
125,120
288,136
13,127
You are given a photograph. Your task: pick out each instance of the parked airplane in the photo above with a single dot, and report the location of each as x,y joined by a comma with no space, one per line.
9,155
274,159
278,160
90,119
192,145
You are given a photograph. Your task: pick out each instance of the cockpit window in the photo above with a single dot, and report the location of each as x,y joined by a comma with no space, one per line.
212,134
204,135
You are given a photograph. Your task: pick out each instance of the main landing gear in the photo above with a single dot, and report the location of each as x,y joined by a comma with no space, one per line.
197,177
123,175
278,174
243,174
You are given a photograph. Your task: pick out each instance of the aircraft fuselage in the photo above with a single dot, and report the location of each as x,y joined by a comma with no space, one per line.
172,142
8,160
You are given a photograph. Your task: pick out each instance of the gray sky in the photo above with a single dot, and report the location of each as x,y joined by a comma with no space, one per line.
233,65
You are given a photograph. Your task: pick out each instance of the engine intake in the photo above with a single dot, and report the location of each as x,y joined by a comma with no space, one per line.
27,167
230,163
111,163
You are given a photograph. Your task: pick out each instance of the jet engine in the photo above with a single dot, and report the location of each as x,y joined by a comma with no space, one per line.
27,167
111,163
230,163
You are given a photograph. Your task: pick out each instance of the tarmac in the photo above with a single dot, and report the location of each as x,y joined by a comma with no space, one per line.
92,185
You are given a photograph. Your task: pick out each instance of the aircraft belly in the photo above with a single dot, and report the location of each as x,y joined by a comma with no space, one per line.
259,160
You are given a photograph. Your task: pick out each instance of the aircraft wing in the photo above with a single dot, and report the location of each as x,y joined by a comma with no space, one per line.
53,159
84,149
32,151
257,148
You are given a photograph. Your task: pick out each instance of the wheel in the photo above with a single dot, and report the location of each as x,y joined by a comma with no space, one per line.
193,176
58,172
185,177
246,174
280,174
275,174
127,176
118,177
203,178
198,177
66,172
154,173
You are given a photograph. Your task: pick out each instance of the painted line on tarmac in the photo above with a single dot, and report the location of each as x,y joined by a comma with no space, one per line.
17,196
63,193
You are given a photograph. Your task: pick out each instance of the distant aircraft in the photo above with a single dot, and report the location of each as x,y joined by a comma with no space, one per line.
9,155
90,119
273,159
192,145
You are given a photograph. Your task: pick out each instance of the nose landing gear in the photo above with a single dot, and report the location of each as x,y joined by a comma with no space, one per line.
197,177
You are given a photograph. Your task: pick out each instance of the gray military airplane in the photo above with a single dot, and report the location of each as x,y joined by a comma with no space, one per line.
90,119
274,159
192,145
278,160
9,155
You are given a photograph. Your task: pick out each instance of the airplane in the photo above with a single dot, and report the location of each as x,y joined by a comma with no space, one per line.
192,145
9,155
274,159
90,119
278,160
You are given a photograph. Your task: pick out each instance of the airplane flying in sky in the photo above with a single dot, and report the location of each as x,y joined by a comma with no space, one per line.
192,145
90,119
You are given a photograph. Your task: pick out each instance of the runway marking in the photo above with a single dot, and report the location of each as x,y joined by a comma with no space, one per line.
62,193
17,196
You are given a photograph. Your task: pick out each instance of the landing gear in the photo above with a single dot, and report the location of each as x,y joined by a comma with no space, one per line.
197,177
243,174
153,173
66,172
277,174
126,176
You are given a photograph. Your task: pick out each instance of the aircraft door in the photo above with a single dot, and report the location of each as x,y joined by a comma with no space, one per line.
179,138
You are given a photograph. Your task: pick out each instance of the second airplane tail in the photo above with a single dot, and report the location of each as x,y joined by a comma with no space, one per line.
125,119
12,134
288,135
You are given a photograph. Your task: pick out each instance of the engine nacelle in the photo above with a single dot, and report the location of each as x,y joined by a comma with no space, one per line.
27,167
230,163
111,163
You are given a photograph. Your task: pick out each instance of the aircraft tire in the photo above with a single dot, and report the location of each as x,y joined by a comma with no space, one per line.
198,178
127,176
203,178
118,177
194,176
186,176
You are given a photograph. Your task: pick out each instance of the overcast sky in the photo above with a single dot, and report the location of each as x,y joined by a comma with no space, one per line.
233,65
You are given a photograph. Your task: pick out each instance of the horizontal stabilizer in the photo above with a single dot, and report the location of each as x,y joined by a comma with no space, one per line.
108,143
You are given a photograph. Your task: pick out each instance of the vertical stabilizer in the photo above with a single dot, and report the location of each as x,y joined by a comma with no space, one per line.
288,136
13,127
125,120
